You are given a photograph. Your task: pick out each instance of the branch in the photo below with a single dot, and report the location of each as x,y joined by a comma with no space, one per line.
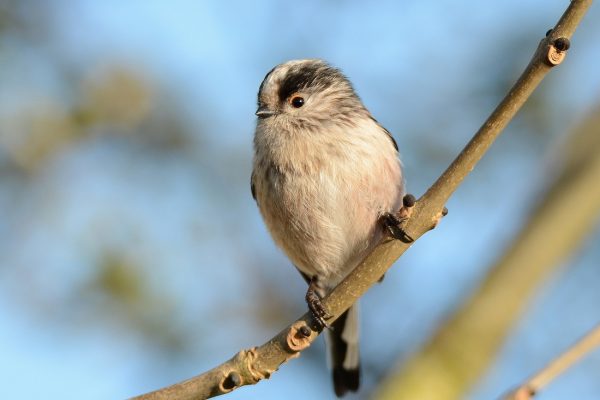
556,367
252,365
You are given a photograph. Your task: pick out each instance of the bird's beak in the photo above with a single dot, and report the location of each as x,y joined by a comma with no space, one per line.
264,112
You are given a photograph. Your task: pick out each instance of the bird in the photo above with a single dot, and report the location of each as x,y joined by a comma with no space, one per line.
328,182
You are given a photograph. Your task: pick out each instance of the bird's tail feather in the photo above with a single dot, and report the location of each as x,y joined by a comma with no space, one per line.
342,343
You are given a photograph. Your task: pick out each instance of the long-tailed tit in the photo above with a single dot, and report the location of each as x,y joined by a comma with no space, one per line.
326,174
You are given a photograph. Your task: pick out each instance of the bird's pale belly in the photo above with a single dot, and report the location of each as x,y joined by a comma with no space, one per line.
322,227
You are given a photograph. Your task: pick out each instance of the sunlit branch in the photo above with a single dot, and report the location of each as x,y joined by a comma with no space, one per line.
566,360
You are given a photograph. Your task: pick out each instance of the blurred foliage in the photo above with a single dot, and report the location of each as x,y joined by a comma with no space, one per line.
117,96
111,101
124,106
124,293
114,100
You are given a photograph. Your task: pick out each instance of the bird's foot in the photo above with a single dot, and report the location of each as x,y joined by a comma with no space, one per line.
392,222
313,299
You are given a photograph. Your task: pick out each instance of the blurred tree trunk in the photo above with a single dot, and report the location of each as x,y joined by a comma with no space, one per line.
459,353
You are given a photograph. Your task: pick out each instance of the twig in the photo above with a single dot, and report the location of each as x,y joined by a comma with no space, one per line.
556,367
251,365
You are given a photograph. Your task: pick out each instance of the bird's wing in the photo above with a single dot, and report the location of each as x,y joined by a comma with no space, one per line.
387,133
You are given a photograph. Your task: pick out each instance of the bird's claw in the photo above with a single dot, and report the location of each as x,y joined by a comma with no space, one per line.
393,222
316,308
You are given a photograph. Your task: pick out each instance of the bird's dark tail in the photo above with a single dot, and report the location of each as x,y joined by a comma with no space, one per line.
342,343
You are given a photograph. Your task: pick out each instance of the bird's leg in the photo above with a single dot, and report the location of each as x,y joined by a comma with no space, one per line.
313,299
392,222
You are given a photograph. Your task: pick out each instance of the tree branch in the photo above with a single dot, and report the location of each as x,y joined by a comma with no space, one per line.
557,366
252,365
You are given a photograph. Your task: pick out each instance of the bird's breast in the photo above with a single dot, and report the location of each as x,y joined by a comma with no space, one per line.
321,198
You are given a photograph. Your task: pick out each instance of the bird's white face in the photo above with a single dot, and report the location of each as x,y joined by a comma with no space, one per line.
306,92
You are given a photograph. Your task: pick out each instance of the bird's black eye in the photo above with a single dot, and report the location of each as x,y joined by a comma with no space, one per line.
297,101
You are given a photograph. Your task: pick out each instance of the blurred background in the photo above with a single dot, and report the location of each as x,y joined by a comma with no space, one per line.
132,255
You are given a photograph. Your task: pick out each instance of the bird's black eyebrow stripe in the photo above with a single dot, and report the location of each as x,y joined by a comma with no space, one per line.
306,76
262,84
